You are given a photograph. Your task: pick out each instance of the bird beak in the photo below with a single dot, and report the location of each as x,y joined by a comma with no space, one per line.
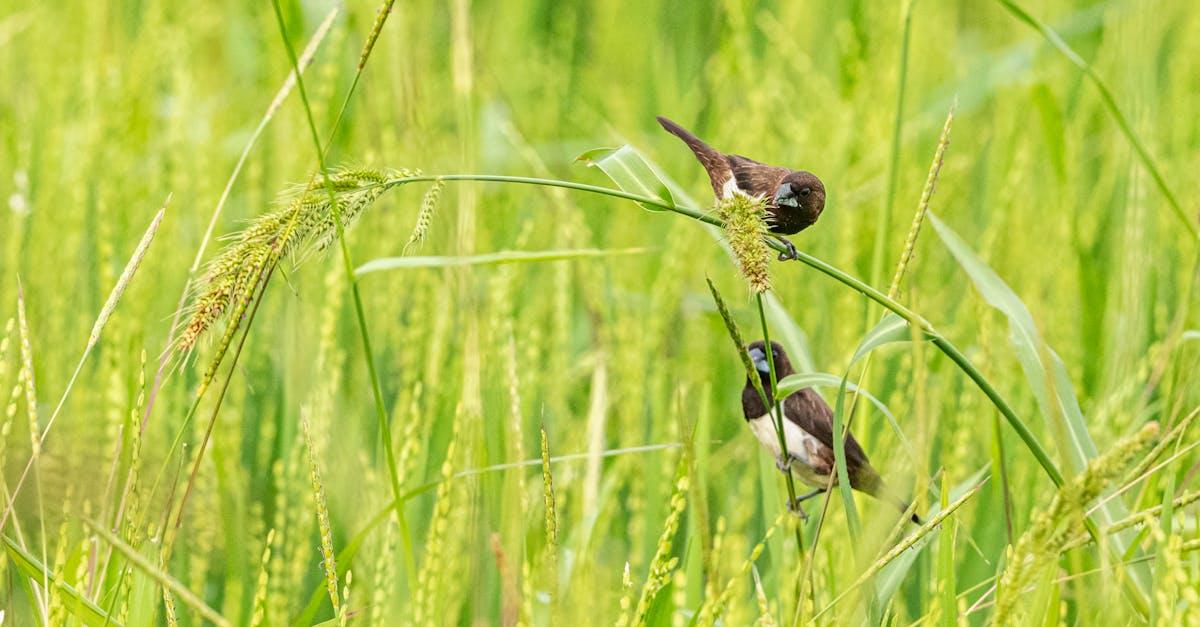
785,197
760,360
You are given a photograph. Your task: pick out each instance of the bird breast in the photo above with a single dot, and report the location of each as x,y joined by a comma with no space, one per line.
811,459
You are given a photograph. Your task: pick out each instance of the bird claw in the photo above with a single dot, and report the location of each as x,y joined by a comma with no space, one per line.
796,509
783,465
791,252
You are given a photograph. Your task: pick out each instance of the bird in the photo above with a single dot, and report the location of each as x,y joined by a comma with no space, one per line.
795,198
808,425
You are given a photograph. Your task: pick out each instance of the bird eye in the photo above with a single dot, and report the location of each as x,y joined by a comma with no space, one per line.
805,191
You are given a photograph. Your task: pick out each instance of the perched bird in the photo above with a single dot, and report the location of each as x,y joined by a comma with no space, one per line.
808,425
795,198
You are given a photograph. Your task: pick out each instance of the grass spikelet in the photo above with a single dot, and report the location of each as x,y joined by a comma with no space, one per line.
747,232
1053,529
764,607
385,577
626,596
663,564
736,335
318,488
27,378
425,216
551,521
1176,601
303,221
57,609
714,607
426,602
131,268
935,168
4,344
260,588
385,10
344,615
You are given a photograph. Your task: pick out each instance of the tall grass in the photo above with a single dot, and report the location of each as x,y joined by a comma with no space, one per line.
334,479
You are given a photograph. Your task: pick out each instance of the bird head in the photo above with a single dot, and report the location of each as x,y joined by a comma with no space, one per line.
758,355
801,190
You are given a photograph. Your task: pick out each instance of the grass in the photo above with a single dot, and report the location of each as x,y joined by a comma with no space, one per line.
552,432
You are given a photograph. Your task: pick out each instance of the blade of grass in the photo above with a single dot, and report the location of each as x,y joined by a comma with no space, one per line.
491,259
162,578
83,608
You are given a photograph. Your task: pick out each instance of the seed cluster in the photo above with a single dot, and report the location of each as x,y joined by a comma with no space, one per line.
303,221
747,232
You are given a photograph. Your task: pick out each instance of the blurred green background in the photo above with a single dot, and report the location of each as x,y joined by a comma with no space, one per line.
112,106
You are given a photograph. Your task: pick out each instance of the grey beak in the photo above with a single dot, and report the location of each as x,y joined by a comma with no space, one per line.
785,197
760,360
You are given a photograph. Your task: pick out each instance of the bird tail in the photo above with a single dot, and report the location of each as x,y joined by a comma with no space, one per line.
708,156
873,484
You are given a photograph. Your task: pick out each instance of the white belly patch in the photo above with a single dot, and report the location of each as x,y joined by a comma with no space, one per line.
801,446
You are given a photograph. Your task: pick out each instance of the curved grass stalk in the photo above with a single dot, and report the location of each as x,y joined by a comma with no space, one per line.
920,323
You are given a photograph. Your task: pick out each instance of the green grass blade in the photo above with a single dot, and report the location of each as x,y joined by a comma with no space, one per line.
83,609
490,259
626,167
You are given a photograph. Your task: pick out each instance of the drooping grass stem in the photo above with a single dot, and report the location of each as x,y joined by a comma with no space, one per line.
920,323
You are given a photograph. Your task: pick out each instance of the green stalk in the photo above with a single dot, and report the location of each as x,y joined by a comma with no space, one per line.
777,414
360,315
942,343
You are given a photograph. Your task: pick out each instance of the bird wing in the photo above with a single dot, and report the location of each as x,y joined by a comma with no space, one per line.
754,178
715,163
810,412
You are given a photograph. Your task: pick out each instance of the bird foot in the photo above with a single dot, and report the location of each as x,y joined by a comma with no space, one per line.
796,510
784,465
791,250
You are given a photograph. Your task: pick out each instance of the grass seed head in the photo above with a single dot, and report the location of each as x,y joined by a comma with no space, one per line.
302,222
747,232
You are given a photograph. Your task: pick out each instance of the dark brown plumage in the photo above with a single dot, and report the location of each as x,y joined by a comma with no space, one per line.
811,446
795,198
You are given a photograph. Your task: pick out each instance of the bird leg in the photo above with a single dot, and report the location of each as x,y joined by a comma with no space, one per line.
791,250
784,465
804,497
795,507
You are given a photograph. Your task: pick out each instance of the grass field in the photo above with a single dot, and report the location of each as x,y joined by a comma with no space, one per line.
403,396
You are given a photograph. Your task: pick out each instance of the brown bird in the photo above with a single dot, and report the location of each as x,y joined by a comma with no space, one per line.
808,426
795,198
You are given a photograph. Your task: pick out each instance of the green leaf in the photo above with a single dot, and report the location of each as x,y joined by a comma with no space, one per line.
1044,372
891,328
80,606
489,259
626,167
